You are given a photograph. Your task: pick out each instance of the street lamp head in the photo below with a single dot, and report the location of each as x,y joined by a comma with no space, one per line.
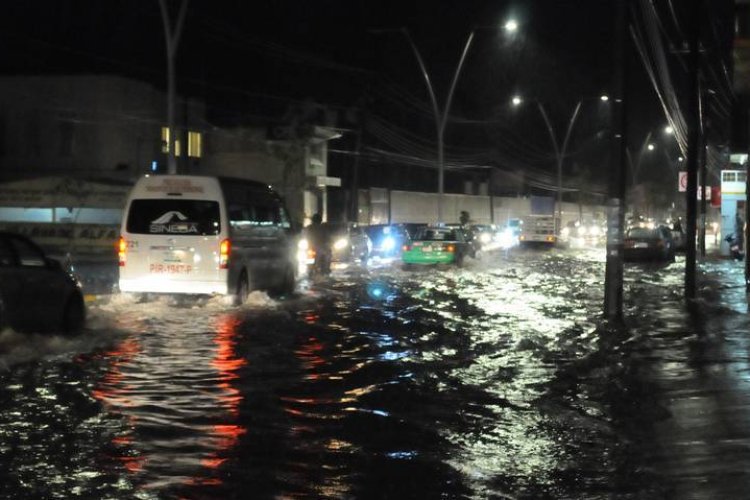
516,100
651,147
668,130
511,26
680,159
604,98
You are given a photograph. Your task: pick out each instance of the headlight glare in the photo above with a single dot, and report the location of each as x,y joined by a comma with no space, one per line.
341,243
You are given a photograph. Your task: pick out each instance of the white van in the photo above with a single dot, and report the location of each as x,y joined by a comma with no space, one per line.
205,235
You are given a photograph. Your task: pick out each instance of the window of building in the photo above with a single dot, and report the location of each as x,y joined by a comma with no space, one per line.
728,176
165,142
195,144
194,140
741,176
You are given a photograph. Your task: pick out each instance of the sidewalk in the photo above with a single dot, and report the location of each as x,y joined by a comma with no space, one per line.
699,365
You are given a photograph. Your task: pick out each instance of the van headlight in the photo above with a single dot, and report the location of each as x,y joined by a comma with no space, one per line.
341,243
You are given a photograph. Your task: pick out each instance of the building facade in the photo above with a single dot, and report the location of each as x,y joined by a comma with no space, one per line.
114,128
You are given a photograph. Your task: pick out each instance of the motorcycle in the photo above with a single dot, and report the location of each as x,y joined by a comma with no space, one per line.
318,262
734,247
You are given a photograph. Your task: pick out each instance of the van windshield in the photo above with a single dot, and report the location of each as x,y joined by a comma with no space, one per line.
174,217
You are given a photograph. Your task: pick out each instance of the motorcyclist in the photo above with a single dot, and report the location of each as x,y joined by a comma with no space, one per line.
319,240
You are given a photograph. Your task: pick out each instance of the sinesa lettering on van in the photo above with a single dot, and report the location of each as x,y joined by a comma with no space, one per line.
173,222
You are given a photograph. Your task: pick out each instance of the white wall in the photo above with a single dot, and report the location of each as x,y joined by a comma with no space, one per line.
409,206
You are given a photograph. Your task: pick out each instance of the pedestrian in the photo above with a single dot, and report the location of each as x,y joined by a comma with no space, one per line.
739,230
317,234
678,224
464,218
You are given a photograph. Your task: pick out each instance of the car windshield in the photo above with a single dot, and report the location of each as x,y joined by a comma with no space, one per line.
430,234
642,232
174,217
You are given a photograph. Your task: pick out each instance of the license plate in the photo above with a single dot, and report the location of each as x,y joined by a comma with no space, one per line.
427,248
170,268
640,245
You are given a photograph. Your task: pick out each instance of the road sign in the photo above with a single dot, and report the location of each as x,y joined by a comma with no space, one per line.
682,179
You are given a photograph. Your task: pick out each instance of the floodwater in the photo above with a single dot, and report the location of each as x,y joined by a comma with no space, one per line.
497,380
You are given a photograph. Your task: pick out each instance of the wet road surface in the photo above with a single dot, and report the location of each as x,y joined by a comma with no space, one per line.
493,381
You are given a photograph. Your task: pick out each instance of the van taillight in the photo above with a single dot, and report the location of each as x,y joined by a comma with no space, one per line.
224,248
122,248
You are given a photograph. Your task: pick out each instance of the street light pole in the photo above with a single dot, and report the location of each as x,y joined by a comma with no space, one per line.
635,169
172,39
559,152
440,118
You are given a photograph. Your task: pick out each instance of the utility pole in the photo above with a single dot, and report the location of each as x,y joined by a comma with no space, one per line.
693,121
747,213
703,159
354,207
172,40
613,277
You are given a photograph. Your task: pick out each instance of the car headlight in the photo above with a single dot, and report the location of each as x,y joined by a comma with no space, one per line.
388,244
594,231
565,232
303,244
506,238
582,230
341,243
485,238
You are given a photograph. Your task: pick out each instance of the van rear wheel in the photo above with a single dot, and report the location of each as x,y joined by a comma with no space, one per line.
243,289
289,282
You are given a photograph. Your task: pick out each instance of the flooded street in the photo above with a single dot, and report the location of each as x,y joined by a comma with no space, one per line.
496,380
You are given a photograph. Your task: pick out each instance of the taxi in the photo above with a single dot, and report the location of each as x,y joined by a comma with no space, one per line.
436,245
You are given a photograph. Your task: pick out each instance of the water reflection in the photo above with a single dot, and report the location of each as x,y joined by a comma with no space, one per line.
178,401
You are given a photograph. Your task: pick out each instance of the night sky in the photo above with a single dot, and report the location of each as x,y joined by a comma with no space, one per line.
252,60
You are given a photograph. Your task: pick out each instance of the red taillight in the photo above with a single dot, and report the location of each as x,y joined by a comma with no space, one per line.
224,249
122,251
406,248
450,248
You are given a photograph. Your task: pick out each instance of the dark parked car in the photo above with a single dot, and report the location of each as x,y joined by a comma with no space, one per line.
36,294
467,234
643,243
388,240
349,242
